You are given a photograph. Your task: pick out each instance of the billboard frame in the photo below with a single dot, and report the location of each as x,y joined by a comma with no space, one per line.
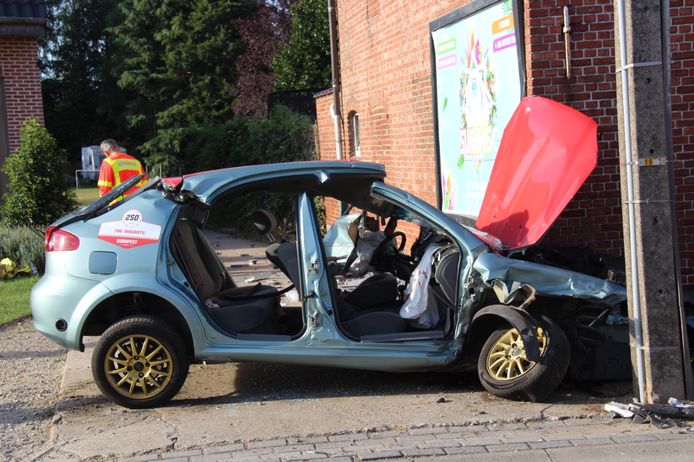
459,14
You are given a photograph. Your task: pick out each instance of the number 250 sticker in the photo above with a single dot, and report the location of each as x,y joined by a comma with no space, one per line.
130,231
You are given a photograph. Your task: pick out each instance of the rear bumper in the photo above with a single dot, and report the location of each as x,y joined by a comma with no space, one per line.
54,307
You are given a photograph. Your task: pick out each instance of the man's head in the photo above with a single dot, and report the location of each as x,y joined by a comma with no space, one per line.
109,146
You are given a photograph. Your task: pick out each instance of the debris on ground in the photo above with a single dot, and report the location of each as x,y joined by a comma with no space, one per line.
660,415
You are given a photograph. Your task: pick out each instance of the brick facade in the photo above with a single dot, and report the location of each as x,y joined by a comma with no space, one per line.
20,71
386,79
21,76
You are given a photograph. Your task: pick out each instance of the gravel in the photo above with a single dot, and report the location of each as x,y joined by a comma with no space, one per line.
30,370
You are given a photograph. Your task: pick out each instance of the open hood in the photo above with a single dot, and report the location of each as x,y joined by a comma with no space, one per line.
546,153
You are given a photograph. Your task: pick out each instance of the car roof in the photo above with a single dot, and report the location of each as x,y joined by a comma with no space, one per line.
206,186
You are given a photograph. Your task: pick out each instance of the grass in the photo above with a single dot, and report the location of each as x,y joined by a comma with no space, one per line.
86,195
14,298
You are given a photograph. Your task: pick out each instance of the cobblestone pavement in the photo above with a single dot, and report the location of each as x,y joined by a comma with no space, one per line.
536,440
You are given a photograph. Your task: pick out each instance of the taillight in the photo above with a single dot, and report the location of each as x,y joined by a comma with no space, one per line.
58,239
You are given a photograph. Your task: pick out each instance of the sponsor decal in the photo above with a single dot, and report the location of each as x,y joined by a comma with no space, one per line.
130,231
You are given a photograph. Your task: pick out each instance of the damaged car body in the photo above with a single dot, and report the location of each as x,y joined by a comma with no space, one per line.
143,275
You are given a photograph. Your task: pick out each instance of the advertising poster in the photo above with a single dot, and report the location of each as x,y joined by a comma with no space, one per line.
477,86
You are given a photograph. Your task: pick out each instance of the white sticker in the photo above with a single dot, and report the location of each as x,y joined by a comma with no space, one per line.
130,231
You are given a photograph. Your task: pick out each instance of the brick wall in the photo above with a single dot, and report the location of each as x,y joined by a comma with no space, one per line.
20,71
386,78
594,216
682,50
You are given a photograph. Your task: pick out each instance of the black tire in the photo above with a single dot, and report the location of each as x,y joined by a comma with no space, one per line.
146,376
539,379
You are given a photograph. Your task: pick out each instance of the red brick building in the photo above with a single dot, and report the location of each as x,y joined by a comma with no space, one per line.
386,79
22,22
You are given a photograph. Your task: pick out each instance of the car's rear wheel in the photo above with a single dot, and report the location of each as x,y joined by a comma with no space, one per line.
140,362
505,370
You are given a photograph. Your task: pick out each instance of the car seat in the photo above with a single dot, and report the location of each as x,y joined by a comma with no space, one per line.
235,309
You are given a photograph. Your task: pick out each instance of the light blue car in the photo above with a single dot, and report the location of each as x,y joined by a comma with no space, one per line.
141,274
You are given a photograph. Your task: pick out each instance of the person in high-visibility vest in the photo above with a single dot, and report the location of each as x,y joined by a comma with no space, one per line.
117,168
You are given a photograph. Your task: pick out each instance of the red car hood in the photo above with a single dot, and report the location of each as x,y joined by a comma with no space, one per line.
546,153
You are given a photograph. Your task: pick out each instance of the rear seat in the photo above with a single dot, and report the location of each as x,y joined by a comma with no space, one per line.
234,309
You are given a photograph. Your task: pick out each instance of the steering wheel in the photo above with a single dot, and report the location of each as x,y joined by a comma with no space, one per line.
380,256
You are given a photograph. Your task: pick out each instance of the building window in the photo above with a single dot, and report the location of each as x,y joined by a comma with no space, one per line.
354,143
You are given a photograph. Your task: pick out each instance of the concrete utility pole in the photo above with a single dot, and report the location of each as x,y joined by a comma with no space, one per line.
645,152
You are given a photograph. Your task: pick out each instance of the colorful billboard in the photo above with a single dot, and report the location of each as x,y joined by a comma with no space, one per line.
477,78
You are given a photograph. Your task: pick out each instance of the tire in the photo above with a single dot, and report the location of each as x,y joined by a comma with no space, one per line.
505,372
133,379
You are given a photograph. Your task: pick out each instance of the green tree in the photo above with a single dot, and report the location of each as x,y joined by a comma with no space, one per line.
304,62
82,103
179,64
37,191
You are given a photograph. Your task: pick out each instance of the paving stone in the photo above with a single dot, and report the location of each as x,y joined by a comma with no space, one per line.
309,439
227,448
667,436
266,444
413,438
387,442
265,458
507,447
550,444
379,455
295,448
144,458
439,444
422,452
634,438
334,444
302,455
428,431
465,450
590,441
183,454
480,441
348,437
532,438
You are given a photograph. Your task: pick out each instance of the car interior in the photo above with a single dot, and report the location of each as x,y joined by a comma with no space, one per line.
375,288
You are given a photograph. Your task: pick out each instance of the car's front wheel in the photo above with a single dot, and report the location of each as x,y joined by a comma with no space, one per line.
505,370
140,362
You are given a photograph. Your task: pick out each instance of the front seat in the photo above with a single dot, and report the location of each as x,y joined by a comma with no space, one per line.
234,309
377,321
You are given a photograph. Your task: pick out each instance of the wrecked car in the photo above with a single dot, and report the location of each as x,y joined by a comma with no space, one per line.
393,285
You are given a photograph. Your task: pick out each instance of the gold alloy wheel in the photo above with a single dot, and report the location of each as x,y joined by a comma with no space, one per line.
506,360
138,366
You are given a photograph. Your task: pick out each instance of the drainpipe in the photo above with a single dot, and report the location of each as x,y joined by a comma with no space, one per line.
634,280
335,68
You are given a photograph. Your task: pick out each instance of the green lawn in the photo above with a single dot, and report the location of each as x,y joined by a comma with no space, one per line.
86,195
14,298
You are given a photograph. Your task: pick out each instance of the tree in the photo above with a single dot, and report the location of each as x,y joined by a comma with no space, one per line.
82,103
37,193
179,64
263,33
304,62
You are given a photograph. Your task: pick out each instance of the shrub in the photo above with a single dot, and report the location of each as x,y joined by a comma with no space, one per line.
23,246
37,190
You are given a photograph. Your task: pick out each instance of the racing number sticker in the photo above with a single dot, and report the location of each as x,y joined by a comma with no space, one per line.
130,231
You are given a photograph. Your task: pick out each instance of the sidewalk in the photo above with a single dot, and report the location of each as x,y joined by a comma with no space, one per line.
594,439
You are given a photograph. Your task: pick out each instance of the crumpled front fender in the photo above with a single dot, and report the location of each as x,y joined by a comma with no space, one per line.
521,320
